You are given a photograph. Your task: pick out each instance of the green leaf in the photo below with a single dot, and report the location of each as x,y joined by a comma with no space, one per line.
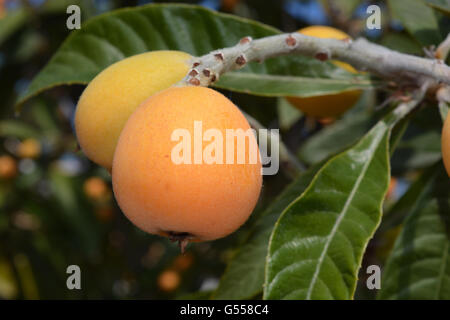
26,277
443,109
244,276
335,138
110,37
12,22
419,265
417,152
420,146
18,129
401,42
441,5
44,119
8,284
271,85
287,114
418,19
317,245
69,206
341,134
395,216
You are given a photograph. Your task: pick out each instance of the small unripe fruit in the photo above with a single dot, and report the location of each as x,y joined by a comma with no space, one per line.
8,167
198,202
168,280
29,148
446,144
331,105
95,188
183,262
113,95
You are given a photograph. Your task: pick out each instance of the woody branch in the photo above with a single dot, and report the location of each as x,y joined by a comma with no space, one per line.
362,54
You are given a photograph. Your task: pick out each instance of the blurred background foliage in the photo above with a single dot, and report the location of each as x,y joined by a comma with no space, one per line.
57,208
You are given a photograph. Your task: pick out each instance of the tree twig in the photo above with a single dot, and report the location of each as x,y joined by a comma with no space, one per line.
407,106
362,54
443,50
443,98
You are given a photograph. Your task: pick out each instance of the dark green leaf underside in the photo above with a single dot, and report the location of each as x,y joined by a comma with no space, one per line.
419,265
339,135
281,86
418,19
441,5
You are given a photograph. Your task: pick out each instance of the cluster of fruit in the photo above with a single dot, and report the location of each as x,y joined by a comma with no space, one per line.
124,122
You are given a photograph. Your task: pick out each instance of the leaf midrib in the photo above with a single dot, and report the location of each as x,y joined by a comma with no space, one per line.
250,75
342,216
442,271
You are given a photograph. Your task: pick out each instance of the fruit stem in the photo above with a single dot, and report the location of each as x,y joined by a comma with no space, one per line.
181,237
